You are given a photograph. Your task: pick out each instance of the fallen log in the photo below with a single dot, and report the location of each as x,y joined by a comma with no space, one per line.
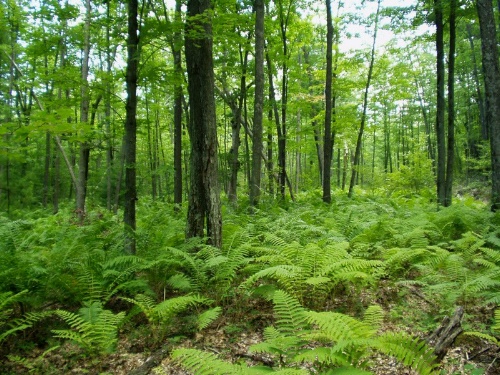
444,336
152,361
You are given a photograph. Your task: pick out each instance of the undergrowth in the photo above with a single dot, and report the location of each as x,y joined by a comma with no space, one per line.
328,271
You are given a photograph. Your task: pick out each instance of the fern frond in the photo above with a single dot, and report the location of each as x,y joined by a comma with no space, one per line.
496,326
339,328
284,274
205,318
290,315
203,363
74,321
183,283
26,322
410,351
323,355
374,316
94,328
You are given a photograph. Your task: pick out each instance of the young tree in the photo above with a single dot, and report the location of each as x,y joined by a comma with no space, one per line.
357,153
204,196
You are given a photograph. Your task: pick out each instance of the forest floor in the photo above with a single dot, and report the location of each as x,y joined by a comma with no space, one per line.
433,261
230,338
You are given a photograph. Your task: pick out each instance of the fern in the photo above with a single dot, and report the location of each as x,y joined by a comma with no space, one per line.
25,322
410,351
203,363
162,314
205,318
93,328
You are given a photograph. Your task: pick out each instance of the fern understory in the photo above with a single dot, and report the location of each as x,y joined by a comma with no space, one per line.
327,289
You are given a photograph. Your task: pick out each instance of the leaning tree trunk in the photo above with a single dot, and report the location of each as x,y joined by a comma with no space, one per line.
491,73
130,128
204,199
357,153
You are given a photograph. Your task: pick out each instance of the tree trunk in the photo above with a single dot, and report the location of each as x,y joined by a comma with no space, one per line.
328,137
450,157
491,73
204,199
258,112
107,110
234,159
440,107
131,128
270,164
480,99
46,174
357,154
176,51
83,161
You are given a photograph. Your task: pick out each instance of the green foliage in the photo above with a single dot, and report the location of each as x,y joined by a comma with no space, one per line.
95,329
163,312
344,341
203,363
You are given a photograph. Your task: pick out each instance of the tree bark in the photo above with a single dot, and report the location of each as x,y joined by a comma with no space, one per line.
491,73
83,161
258,113
440,106
130,137
450,157
328,136
178,95
204,196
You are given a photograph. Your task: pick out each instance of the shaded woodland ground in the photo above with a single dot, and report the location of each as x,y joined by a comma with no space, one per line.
301,288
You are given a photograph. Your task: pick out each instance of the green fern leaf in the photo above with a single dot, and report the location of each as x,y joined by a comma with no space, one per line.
203,363
290,315
374,316
410,351
204,319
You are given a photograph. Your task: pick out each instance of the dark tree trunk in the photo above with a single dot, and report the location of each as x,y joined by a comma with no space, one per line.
258,112
328,136
107,110
450,157
204,198
176,50
130,137
440,107
83,161
491,73
234,159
